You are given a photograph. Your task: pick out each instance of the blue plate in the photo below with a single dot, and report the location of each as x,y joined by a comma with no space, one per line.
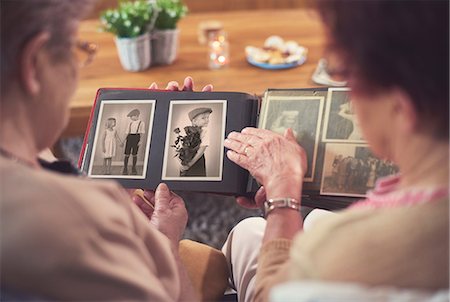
276,66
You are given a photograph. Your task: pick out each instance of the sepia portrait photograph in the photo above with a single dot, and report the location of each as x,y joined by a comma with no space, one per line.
301,113
122,139
340,122
194,140
352,170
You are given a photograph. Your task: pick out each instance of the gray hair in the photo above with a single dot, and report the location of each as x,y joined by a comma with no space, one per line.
21,20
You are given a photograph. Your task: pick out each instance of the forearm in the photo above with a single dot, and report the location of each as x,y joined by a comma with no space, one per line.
187,292
345,115
282,225
272,268
283,222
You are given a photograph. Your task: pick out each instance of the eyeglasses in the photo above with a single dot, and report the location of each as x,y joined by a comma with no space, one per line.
85,52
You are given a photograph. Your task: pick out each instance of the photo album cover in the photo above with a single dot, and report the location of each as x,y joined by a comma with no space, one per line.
142,137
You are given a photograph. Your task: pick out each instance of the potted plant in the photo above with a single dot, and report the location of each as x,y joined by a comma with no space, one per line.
165,33
129,22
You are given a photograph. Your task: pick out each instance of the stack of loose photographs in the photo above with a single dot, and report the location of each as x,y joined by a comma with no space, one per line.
142,137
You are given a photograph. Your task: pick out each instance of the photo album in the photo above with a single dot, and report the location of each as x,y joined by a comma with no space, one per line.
142,137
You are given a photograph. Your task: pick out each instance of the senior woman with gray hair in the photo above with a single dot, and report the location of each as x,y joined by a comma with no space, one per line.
65,237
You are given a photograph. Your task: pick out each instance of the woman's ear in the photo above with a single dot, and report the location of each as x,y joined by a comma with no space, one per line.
405,111
29,62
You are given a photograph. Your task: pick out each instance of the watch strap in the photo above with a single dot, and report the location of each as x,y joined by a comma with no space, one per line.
271,204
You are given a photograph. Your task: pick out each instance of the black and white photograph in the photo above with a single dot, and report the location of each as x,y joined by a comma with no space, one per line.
301,113
122,139
352,170
194,140
340,122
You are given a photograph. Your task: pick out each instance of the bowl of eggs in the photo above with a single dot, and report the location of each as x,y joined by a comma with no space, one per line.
276,54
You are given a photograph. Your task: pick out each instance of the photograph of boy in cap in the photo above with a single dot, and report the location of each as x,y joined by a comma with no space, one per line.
196,166
135,128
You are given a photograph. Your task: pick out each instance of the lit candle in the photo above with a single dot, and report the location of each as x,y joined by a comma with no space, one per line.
218,50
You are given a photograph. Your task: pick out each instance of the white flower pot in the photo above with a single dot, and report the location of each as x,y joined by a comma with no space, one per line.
165,46
134,53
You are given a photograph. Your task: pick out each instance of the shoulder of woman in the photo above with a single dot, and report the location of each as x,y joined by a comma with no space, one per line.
339,246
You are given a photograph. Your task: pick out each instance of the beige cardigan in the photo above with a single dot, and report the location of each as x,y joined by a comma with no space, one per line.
404,247
70,238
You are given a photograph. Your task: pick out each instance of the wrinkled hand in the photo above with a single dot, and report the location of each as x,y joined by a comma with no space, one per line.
276,161
188,85
170,214
147,206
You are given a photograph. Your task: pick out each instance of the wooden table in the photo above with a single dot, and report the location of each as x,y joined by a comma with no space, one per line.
243,28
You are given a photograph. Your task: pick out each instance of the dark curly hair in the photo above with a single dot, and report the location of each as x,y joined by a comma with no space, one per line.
405,44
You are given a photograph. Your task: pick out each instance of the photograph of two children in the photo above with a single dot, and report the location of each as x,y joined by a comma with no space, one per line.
194,140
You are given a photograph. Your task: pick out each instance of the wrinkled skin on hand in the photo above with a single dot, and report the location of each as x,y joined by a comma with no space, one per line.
169,216
276,161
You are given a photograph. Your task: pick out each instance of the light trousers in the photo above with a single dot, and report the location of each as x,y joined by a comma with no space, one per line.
241,250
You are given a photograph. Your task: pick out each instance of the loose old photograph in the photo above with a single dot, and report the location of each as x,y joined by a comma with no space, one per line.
122,139
352,170
194,140
340,122
301,113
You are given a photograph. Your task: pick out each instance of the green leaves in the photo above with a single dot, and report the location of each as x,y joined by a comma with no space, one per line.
170,11
129,20
132,18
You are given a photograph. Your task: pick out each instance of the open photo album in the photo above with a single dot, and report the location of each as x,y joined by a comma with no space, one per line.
142,137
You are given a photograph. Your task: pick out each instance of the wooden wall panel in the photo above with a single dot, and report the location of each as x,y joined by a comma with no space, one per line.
218,5
226,5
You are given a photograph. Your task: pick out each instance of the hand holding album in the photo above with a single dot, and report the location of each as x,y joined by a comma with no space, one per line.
165,209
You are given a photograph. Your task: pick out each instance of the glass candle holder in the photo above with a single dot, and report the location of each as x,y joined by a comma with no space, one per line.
205,28
218,50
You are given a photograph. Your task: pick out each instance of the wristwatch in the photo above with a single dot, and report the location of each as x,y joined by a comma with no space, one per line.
289,203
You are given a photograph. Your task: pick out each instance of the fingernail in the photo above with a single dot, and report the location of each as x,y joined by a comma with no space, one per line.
208,87
172,85
163,186
188,81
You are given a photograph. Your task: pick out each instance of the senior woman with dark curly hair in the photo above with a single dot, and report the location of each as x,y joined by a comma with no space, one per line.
395,56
